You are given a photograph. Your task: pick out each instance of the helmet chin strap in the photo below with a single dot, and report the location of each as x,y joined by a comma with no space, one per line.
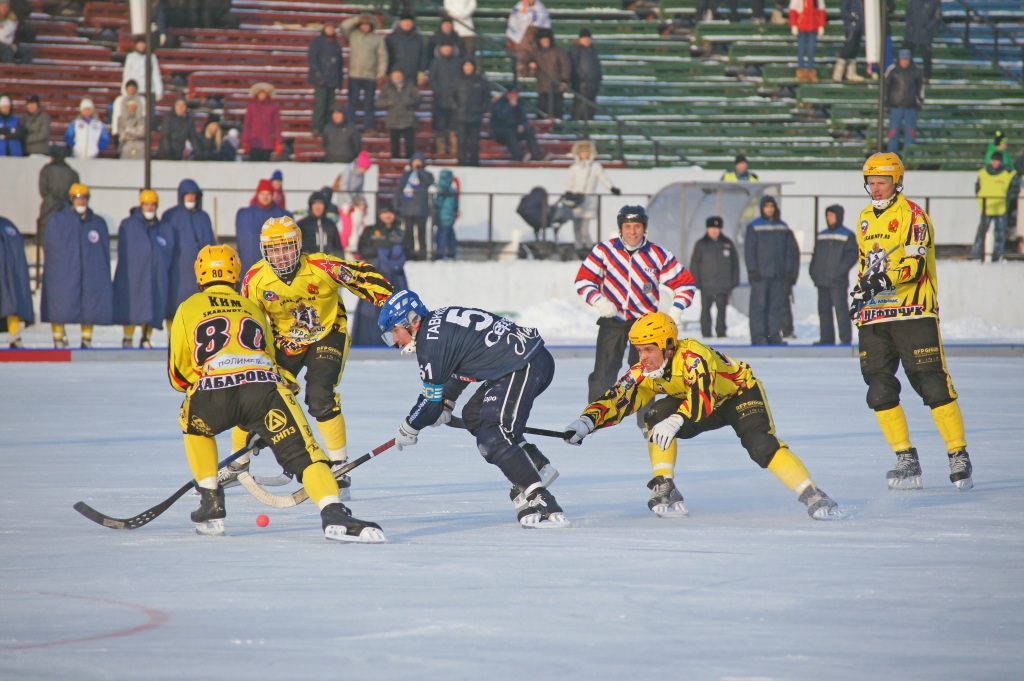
410,348
657,373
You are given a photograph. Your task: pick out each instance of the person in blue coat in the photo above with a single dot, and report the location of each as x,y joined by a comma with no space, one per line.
192,231
15,291
76,273
773,265
381,243
145,247
249,221
11,130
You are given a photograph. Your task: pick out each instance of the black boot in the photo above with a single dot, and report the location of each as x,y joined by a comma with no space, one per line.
541,510
209,517
666,501
960,470
339,524
819,505
907,473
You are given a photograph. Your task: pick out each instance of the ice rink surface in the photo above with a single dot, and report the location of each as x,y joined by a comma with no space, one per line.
913,585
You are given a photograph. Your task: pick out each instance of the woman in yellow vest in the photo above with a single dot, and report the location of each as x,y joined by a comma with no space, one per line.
997,186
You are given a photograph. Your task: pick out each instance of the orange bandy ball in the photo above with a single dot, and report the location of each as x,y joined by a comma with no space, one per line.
262,520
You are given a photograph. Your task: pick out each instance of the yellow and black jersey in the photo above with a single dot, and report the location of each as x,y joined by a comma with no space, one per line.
304,311
905,230
219,340
701,377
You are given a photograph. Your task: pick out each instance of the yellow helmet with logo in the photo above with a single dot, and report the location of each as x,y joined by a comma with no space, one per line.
885,165
218,263
280,243
654,327
78,189
148,196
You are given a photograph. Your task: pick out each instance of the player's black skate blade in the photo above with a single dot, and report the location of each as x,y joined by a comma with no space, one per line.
961,470
819,505
666,501
209,517
907,473
339,525
542,512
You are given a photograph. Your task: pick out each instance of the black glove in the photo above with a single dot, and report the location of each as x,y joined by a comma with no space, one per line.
873,284
616,191
855,303
754,276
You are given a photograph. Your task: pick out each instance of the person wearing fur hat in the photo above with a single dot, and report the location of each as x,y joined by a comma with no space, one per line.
261,132
581,190
87,136
367,65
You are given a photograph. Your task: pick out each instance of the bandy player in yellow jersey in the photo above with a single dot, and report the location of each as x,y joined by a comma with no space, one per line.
220,358
705,391
299,293
897,313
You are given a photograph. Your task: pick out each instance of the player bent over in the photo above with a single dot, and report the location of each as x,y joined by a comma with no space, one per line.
456,346
896,309
705,391
300,294
220,357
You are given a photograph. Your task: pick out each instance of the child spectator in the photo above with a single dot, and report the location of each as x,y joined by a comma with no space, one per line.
414,187
446,210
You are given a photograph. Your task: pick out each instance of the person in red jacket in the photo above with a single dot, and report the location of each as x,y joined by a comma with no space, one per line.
261,133
807,24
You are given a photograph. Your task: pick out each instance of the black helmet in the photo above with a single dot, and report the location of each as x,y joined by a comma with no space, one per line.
632,214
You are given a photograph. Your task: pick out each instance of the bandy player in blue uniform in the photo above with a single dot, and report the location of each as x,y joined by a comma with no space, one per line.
456,346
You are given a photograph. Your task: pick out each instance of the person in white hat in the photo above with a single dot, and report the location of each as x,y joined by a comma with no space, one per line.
87,136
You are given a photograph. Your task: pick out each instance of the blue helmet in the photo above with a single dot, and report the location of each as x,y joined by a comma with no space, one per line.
396,312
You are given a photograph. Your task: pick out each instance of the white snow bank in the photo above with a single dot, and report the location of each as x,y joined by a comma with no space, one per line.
977,329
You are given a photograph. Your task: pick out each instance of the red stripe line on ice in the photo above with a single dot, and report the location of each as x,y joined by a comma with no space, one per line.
35,355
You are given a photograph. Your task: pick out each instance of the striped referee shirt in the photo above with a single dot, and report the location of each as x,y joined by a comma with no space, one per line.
631,280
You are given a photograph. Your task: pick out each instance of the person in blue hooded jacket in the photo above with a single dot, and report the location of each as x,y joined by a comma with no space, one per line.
192,231
76,273
15,290
249,221
773,265
380,243
145,247
446,211
414,190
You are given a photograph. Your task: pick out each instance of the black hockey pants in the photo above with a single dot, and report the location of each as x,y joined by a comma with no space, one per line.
916,344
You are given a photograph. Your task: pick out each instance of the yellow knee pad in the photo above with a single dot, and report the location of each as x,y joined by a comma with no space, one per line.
894,427
663,461
950,423
790,470
202,459
320,485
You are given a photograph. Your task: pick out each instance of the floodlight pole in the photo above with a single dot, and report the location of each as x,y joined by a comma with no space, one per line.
881,77
150,102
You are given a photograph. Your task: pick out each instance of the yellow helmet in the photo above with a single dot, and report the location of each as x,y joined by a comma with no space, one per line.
885,165
218,263
148,196
280,243
78,189
654,327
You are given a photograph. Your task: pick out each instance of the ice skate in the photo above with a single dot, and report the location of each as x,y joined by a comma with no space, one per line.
209,517
228,476
86,343
548,473
541,511
819,505
344,480
126,343
60,343
339,525
960,470
666,501
907,473
145,344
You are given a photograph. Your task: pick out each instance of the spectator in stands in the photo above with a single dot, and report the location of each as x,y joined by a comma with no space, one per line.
10,51
319,232
549,63
511,127
407,51
922,18
853,27
807,24
400,98
87,136
325,73
135,70
446,211
55,181
381,244
367,65
117,109
835,253
261,132
445,72
277,184
193,230
342,141
904,91
996,188
212,145
773,265
740,171
414,194
10,129
249,221
586,75
472,98
176,130
444,35
581,190
36,124
1000,142
132,126
706,10
527,17
461,12
715,266
353,204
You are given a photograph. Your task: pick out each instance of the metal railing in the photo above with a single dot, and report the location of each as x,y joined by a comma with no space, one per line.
982,19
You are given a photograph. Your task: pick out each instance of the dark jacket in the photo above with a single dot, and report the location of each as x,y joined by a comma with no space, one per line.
342,143
770,249
505,118
37,133
472,97
400,104
413,189
586,67
407,52
383,247
325,61
904,86
439,39
320,234
922,17
145,250
175,130
835,252
192,231
15,289
248,223
76,277
445,72
715,265
55,180
853,15
553,68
